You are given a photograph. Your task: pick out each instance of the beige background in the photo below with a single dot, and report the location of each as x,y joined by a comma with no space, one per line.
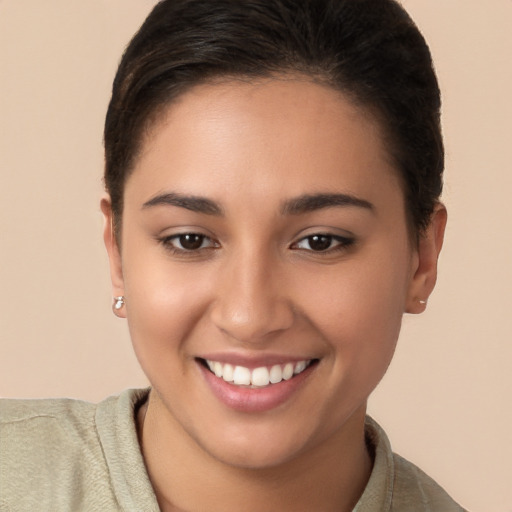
446,399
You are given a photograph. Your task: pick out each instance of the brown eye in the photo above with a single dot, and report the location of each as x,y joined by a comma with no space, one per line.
191,241
319,242
323,242
191,244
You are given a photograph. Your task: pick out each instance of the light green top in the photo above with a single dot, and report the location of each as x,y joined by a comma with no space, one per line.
67,455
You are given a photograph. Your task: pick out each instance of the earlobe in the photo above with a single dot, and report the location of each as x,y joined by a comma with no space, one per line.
425,273
114,255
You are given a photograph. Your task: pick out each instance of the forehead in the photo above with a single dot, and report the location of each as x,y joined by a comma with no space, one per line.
275,136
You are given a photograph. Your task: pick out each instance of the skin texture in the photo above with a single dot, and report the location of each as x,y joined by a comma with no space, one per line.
257,289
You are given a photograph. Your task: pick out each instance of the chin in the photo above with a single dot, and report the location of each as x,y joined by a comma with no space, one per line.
253,455
263,444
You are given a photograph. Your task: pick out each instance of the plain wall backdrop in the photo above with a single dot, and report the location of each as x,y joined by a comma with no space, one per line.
445,401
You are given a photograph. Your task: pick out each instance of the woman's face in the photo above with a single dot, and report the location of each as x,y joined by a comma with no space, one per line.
263,232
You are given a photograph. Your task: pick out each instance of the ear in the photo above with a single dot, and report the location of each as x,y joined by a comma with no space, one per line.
427,254
114,254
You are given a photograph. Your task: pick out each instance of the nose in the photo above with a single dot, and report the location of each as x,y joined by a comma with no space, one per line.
250,303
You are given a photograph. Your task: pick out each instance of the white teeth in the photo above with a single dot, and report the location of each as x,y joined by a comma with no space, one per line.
227,373
258,377
299,367
217,369
288,371
276,374
242,376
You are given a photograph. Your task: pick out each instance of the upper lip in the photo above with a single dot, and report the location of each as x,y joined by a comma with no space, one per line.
254,361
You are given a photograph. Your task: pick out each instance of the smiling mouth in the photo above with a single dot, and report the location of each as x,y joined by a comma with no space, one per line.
260,377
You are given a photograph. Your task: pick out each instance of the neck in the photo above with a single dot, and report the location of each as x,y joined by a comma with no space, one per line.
330,476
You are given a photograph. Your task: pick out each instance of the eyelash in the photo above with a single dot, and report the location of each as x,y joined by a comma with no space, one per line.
342,243
168,242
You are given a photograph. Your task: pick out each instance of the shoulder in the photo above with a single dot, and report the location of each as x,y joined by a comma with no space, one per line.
32,427
63,410
46,446
53,452
412,485
397,485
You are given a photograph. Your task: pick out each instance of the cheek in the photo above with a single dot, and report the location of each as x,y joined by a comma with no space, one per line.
164,303
359,290
358,309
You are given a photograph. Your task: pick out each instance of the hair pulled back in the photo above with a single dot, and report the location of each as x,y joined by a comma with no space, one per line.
369,50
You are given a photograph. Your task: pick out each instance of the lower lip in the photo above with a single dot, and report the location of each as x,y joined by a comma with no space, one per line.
247,399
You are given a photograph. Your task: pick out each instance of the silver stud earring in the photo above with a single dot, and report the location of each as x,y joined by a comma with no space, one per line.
422,302
118,302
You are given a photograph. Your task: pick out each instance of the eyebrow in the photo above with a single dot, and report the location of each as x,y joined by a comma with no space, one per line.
193,203
296,206
311,202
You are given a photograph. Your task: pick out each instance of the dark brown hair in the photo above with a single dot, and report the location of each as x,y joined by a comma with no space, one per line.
368,49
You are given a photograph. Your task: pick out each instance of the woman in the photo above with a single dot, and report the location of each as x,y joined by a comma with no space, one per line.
273,171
